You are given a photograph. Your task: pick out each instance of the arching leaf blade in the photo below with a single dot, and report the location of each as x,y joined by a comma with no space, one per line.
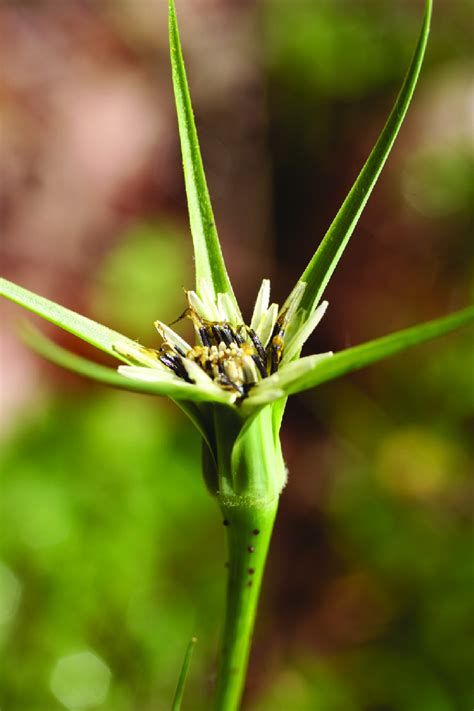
321,267
45,347
371,352
85,328
60,356
207,250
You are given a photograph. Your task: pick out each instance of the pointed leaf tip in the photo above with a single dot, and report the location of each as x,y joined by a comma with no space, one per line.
178,699
207,250
321,267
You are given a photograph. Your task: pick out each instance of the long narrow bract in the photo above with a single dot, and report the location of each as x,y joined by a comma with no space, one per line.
176,390
94,333
319,271
358,357
207,250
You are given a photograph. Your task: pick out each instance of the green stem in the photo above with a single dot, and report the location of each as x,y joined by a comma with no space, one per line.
249,529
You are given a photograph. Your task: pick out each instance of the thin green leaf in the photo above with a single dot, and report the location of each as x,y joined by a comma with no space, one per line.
46,348
322,265
99,336
360,356
208,255
107,376
178,698
43,346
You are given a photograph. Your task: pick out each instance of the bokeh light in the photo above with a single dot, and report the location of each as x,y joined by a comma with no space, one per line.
80,680
10,592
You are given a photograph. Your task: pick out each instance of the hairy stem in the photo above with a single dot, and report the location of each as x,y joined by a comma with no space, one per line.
249,529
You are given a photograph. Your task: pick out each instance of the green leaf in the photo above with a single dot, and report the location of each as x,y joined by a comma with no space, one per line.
46,348
82,327
208,255
107,376
322,265
360,356
178,698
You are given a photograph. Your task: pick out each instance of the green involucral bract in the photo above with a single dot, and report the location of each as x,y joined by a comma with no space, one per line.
233,380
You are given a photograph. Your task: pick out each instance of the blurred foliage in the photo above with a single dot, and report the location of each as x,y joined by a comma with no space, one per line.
310,48
112,554
145,275
96,520
113,541
440,183
347,49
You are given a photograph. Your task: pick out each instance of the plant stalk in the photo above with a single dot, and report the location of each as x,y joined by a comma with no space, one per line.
249,529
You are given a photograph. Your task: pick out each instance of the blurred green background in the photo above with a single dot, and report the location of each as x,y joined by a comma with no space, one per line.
111,551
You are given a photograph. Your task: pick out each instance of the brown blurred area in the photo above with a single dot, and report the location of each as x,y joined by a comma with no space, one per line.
89,149
88,140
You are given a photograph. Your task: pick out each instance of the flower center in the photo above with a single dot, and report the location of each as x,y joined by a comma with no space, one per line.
234,357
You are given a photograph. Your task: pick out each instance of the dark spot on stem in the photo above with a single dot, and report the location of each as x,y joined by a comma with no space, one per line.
225,522
227,564
255,531
250,549
249,584
251,571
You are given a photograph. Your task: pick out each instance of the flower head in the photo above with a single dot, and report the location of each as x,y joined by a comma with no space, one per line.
231,362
